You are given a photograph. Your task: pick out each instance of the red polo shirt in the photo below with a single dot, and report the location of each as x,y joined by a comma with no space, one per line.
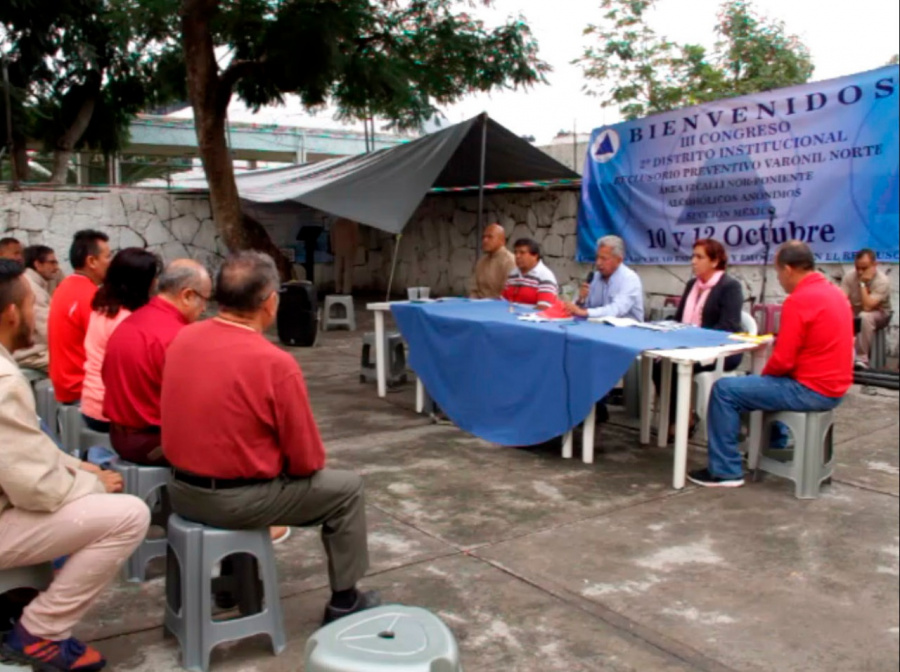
236,406
133,366
816,343
70,313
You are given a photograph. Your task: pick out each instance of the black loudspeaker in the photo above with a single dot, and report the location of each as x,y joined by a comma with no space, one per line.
298,314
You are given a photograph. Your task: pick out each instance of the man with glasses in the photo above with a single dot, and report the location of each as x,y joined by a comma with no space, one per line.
135,356
41,270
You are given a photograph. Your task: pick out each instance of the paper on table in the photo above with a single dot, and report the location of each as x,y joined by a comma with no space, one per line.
616,321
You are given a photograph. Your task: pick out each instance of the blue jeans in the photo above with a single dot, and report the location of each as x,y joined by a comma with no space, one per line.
733,396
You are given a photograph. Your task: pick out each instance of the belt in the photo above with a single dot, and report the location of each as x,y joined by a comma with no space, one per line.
150,430
217,483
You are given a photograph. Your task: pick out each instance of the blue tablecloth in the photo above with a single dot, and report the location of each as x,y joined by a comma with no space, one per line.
522,383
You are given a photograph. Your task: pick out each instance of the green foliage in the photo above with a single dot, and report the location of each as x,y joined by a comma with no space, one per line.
104,58
643,73
398,60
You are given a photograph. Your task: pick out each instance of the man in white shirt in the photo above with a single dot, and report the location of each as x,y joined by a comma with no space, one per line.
616,290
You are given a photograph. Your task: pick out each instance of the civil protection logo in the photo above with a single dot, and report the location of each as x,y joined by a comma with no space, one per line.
606,146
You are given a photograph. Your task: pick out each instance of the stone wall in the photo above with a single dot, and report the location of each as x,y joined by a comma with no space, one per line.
438,248
171,225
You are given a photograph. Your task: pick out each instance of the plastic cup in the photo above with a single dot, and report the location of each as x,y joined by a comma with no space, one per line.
413,293
424,292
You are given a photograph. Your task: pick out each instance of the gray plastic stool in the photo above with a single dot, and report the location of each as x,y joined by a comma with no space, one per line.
47,408
396,359
194,551
389,638
343,302
145,483
70,425
812,458
878,356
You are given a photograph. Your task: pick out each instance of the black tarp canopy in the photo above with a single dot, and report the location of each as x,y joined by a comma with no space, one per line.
384,188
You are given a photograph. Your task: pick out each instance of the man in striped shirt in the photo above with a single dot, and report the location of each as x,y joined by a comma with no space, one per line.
531,282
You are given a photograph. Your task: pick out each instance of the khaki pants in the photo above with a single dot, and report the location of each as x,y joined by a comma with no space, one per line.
97,532
330,498
872,321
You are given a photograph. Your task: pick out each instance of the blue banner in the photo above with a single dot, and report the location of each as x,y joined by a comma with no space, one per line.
817,163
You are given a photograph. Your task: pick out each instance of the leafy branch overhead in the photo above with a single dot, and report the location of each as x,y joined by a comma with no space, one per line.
641,72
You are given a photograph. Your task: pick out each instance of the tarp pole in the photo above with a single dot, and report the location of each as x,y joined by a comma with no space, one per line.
393,265
483,170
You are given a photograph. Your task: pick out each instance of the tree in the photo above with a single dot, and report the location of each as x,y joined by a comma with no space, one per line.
397,59
82,69
644,73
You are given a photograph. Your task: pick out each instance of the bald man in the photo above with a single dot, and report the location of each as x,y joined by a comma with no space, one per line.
136,354
494,267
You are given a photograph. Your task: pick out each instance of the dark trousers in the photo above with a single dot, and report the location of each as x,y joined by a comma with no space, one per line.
138,446
329,498
731,363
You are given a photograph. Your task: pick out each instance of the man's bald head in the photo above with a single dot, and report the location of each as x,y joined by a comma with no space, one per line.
493,238
245,281
186,284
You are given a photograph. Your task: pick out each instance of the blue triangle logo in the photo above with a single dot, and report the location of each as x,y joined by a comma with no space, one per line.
606,147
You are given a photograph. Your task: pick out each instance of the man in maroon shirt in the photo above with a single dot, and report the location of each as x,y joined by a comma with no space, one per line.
239,431
810,370
133,366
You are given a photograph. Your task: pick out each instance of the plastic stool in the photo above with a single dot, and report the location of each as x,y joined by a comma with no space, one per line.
145,482
812,458
47,408
339,301
70,425
390,638
878,356
396,359
194,551
768,317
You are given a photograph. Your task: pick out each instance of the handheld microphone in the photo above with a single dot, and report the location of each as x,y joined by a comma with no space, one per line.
590,277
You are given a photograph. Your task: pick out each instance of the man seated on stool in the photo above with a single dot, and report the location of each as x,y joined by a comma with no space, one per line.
495,265
869,291
53,505
41,271
531,282
136,353
239,431
810,370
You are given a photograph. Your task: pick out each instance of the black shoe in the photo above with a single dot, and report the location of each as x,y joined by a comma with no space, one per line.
364,601
706,480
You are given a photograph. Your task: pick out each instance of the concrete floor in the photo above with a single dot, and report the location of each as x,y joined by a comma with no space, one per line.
539,564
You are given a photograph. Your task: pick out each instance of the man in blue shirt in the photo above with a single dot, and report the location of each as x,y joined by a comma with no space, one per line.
616,290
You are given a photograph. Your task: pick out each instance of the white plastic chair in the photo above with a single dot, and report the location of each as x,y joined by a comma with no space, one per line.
704,381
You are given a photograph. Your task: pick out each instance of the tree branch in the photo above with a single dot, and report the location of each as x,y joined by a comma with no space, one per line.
232,75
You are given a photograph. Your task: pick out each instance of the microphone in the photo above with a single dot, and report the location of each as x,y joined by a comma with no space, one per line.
590,277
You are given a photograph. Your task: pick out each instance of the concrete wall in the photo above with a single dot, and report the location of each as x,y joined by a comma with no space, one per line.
438,248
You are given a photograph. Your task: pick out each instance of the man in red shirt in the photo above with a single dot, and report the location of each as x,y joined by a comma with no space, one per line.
70,312
136,353
239,431
810,370
530,282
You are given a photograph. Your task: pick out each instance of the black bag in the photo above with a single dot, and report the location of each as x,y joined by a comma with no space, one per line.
298,314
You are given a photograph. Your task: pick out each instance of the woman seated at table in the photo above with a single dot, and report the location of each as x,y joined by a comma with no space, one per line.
129,284
712,300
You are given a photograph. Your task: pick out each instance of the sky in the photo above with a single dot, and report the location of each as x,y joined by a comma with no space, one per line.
843,38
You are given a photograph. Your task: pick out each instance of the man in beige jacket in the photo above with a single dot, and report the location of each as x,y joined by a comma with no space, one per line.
53,505
41,271
494,267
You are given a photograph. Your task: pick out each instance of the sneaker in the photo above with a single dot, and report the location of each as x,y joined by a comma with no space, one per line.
860,365
364,601
46,655
706,480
